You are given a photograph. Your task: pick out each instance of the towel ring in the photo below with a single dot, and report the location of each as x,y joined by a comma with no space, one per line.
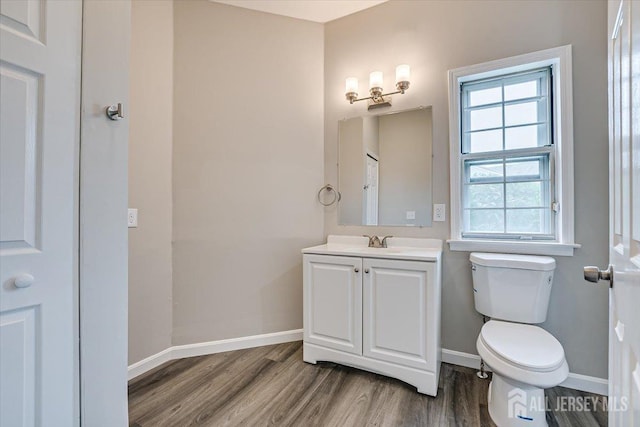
336,195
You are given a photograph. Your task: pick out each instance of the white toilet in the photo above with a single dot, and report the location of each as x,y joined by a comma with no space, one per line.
513,290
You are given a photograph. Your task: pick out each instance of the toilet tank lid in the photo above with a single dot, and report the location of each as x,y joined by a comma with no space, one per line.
524,262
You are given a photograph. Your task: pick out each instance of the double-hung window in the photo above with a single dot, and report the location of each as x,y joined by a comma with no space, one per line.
511,155
506,153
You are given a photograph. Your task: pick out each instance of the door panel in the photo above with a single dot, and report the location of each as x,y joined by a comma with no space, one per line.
395,296
38,211
25,18
19,153
333,302
18,349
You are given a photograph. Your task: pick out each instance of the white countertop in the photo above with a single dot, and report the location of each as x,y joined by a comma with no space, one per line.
401,248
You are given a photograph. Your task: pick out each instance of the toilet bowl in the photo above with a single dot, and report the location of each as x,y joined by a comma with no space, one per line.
513,290
525,360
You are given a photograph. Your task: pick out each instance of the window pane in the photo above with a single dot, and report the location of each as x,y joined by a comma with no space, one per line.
485,221
489,140
485,118
524,194
526,220
485,96
485,196
525,136
485,171
527,169
521,90
520,114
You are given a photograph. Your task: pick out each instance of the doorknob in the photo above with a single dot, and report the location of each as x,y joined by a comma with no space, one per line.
594,274
23,280
114,112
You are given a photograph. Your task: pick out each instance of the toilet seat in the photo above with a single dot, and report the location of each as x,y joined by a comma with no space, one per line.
522,352
527,346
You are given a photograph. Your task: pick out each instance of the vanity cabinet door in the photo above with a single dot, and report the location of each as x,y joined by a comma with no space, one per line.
398,324
333,302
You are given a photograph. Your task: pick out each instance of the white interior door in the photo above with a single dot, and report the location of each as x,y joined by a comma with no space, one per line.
371,192
39,122
624,251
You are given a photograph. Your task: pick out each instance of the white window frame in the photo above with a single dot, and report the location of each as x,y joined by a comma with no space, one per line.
560,60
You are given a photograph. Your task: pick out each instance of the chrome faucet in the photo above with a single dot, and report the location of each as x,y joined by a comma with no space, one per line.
375,242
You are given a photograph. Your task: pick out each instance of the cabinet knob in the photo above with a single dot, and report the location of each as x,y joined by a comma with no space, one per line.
366,270
357,270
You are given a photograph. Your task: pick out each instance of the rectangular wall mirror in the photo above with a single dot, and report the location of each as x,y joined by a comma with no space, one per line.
384,169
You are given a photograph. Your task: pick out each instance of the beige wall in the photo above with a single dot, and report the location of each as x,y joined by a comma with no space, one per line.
434,37
150,136
247,164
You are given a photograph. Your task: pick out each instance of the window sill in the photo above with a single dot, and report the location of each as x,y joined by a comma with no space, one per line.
528,248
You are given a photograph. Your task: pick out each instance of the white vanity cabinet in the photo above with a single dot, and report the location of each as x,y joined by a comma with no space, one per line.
375,309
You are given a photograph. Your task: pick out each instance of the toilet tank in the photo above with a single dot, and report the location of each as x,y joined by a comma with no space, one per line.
509,287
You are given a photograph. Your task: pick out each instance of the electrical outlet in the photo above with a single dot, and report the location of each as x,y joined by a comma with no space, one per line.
411,214
132,218
439,212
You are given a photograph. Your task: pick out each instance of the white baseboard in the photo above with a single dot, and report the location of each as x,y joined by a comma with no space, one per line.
461,359
587,383
211,347
149,363
574,381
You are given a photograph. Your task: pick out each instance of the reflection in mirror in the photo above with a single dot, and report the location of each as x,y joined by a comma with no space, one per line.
384,169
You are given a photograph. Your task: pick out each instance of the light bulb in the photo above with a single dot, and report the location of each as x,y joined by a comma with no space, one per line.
403,73
351,85
375,79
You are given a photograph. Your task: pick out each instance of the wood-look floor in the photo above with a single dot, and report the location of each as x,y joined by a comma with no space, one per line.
272,386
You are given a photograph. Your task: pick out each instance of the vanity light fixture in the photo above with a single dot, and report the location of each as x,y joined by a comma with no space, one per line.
377,98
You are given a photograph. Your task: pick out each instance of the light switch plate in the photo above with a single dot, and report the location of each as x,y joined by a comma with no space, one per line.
411,214
439,212
132,218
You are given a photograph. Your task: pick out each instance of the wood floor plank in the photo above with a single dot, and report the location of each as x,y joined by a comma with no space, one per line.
312,411
281,384
182,400
272,386
290,397
160,391
466,404
350,403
